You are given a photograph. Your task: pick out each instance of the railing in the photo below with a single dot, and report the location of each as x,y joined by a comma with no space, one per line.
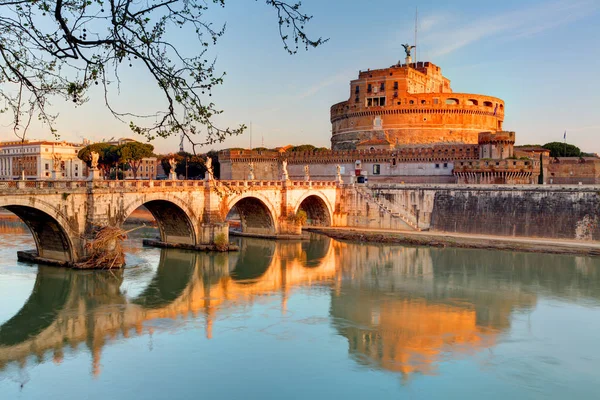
148,184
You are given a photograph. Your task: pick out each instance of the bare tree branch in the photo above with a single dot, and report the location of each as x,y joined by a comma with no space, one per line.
63,48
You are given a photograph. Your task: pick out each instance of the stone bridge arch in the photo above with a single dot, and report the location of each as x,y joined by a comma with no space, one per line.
176,221
317,207
51,230
256,212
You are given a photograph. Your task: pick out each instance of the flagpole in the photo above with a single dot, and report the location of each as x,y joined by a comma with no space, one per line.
565,139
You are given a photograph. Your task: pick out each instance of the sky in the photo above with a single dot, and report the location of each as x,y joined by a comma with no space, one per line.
541,57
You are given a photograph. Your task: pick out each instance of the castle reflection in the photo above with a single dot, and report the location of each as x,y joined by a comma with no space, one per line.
401,309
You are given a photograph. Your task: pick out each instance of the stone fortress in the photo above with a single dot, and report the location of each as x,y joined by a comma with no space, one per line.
404,124
411,105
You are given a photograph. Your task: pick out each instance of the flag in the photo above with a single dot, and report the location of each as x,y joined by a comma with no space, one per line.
565,136
495,109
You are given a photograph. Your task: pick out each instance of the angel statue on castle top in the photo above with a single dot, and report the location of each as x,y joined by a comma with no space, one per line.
408,48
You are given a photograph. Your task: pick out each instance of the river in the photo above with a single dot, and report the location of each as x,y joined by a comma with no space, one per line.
312,319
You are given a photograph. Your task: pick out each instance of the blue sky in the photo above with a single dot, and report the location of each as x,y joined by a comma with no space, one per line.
541,57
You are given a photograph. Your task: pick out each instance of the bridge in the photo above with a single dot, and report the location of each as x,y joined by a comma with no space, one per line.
62,215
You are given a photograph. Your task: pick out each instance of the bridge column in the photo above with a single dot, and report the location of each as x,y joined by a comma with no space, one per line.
213,227
288,225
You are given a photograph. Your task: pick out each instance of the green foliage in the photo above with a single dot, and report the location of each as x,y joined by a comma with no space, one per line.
220,242
299,218
107,156
558,149
302,147
196,168
133,153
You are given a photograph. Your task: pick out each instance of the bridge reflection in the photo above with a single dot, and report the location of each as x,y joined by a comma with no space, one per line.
68,308
401,309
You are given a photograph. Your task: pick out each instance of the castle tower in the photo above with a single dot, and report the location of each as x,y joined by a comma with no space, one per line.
411,104
496,145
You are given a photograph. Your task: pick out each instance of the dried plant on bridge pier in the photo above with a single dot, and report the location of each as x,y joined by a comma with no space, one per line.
74,49
105,251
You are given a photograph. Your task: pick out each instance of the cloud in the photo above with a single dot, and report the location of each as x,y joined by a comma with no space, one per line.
452,34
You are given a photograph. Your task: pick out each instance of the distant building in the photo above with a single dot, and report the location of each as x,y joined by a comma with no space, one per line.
41,160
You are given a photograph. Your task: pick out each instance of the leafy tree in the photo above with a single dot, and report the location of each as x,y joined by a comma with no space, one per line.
133,153
302,147
558,149
106,156
64,48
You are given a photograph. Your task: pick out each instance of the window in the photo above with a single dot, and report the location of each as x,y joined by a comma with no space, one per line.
357,90
369,88
395,85
436,101
47,166
382,87
376,169
452,101
437,165
393,161
375,101
445,165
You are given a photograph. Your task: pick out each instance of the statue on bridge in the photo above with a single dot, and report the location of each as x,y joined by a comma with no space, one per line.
95,157
172,173
94,173
284,176
56,164
251,168
209,169
338,169
306,173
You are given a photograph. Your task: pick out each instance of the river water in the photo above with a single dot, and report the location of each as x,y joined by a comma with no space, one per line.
313,319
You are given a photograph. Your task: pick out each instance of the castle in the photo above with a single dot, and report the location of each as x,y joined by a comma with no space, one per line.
404,124
408,105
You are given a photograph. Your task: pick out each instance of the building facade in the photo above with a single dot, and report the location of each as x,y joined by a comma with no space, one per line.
41,160
411,105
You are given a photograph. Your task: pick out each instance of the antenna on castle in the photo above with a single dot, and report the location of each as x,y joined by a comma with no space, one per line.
416,24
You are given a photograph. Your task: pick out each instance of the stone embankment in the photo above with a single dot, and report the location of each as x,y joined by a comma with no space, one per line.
445,239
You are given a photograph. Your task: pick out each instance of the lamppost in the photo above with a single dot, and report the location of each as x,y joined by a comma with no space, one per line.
186,168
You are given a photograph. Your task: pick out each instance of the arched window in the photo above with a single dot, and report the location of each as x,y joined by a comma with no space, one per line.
452,101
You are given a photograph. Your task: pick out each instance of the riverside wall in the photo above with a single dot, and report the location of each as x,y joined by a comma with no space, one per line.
551,211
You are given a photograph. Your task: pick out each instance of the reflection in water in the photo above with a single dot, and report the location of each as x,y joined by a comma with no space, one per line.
400,309
75,307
